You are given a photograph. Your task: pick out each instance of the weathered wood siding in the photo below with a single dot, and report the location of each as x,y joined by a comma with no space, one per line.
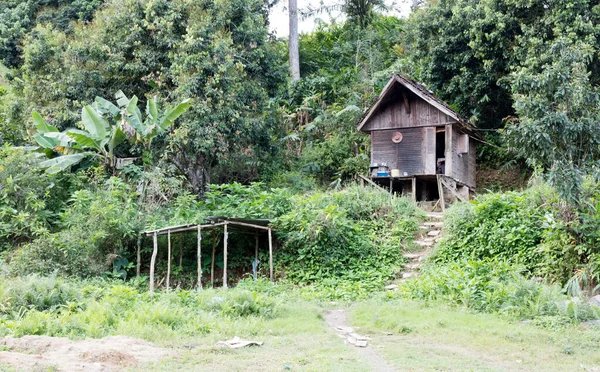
463,165
394,115
413,155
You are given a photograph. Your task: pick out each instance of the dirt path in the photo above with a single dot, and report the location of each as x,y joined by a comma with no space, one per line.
35,353
337,319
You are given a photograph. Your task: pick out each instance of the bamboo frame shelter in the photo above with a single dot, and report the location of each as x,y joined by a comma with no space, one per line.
240,225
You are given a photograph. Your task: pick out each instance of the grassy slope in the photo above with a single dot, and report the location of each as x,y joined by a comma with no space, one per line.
426,339
297,338
422,339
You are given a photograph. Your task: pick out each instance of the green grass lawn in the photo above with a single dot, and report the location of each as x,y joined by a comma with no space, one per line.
408,335
405,335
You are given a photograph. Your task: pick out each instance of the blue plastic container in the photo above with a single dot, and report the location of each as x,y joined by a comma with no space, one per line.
382,174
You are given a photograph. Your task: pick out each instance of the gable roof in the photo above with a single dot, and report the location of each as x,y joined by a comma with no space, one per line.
422,93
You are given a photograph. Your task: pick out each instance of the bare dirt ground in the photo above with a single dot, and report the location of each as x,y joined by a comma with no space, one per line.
34,353
337,319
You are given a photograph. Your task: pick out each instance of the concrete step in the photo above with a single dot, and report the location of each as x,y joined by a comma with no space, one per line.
434,233
416,255
435,216
425,243
412,266
431,224
409,274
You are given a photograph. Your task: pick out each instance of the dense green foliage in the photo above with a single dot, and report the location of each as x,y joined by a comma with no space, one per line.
533,229
251,144
17,17
498,287
99,226
463,49
30,201
34,305
350,241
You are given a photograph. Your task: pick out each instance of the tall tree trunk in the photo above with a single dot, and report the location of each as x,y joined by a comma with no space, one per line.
195,170
293,41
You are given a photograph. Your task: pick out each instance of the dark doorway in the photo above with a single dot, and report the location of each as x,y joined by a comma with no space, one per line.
440,151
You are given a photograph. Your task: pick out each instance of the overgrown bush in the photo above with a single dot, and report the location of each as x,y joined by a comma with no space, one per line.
349,241
96,308
534,228
30,200
98,226
496,286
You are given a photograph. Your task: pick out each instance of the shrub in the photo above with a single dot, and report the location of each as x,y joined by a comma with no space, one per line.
497,287
98,227
30,200
36,292
354,235
507,226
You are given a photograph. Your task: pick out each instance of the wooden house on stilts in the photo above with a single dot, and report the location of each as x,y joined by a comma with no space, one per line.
419,145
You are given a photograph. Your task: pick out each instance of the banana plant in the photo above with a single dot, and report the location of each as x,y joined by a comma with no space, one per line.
154,124
99,138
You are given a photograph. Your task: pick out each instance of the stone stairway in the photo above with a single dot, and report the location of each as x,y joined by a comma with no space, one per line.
430,233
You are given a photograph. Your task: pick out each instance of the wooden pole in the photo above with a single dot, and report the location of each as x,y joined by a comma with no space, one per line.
139,257
270,255
414,189
153,263
168,260
199,253
181,250
256,246
225,238
441,193
212,262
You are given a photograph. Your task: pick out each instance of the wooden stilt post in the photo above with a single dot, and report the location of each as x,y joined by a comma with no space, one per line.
225,238
153,262
441,193
180,250
199,256
168,260
139,257
256,246
212,262
270,255
414,189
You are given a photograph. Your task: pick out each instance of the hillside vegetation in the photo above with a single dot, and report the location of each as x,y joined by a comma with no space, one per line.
123,116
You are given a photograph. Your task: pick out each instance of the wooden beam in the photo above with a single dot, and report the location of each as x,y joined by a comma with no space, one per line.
168,260
370,182
414,189
441,193
270,256
454,192
199,257
225,238
153,262
256,246
180,250
248,225
212,262
184,228
139,257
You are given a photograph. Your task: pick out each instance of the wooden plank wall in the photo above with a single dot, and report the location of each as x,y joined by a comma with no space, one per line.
463,166
410,150
394,115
